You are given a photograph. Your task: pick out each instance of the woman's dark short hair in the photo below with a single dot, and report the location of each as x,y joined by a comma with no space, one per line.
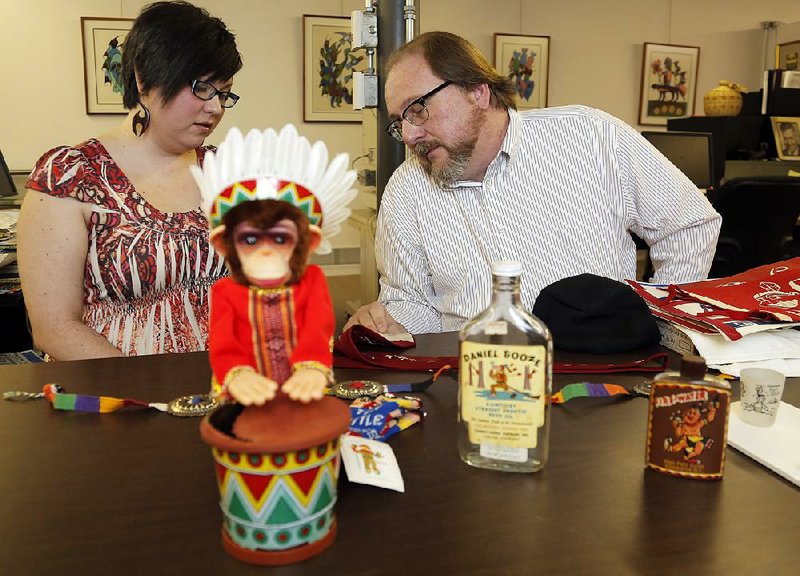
455,59
173,43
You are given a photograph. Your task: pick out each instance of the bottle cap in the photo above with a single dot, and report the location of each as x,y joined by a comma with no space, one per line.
506,268
693,367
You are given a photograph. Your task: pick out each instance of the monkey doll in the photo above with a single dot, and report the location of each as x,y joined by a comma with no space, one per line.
271,204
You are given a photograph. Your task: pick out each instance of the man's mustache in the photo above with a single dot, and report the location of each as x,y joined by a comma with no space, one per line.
424,147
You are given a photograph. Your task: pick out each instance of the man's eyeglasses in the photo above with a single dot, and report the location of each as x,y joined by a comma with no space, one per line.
206,91
415,113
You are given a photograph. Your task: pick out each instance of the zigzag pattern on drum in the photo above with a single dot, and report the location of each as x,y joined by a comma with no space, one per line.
278,501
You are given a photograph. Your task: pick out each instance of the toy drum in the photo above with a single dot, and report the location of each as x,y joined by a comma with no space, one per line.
277,467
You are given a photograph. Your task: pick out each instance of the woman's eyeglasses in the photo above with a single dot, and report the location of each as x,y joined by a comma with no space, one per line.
206,91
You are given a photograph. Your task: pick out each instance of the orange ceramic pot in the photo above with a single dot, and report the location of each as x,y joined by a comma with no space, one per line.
724,100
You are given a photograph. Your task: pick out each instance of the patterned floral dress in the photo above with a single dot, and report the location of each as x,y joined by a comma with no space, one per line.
148,273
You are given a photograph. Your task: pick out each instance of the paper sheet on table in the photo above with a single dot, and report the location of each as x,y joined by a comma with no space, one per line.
370,462
774,446
780,343
8,219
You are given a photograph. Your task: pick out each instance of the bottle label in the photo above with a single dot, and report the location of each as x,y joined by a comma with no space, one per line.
687,429
503,393
506,453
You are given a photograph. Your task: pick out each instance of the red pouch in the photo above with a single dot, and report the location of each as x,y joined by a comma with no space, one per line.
360,347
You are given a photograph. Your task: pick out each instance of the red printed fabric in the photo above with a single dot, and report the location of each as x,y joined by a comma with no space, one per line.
148,273
771,291
749,302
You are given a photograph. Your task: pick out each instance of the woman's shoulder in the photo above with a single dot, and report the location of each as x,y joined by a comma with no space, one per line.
59,170
71,155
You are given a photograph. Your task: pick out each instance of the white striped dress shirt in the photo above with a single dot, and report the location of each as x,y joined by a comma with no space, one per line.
562,195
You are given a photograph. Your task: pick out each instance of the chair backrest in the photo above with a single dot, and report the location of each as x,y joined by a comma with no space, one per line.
759,215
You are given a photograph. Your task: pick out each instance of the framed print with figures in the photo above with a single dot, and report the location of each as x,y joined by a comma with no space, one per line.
669,82
526,60
328,65
103,43
786,55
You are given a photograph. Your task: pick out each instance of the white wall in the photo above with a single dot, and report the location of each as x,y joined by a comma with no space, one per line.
47,106
596,53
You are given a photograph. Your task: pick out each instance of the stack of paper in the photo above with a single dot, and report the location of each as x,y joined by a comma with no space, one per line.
750,319
8,236
778,348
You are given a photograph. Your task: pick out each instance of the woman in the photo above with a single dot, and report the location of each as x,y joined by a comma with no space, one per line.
113,249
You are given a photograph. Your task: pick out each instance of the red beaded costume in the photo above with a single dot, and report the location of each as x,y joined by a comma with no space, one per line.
271,330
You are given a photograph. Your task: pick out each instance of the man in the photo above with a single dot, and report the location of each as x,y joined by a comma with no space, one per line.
790,140
558,189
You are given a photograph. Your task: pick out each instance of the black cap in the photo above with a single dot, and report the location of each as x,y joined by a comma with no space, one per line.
589,313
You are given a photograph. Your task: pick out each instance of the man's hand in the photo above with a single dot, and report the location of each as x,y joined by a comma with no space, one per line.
375,317
305,385
250,387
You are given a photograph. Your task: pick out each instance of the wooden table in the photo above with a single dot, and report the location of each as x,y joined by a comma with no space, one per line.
133,492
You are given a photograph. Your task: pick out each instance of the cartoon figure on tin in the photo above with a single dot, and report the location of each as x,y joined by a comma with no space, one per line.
688,425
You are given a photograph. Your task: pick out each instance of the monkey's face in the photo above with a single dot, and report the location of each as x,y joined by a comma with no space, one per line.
265,254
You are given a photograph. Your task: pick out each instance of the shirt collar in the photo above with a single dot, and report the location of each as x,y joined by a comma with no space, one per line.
511,142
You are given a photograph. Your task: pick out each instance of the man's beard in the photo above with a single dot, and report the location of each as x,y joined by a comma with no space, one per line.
449,169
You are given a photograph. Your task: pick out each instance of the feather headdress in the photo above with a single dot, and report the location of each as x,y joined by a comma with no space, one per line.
277,166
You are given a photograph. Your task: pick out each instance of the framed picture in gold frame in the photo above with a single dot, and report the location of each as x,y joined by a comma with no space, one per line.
328,65
669,82
786,130
787,55
103,43
526,60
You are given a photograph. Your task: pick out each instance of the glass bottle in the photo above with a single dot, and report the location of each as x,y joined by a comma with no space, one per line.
505,381
687,422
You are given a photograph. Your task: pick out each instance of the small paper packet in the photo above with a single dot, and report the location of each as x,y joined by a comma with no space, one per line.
371,462
382,417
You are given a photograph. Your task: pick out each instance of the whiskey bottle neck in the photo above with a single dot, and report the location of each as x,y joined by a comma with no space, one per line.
505,291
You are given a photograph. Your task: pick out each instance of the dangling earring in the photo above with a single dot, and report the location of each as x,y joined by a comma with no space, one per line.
141,121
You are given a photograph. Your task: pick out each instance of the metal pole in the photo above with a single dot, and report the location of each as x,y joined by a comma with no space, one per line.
391,34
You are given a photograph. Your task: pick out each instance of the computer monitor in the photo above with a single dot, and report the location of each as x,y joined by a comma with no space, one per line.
7,186
691,152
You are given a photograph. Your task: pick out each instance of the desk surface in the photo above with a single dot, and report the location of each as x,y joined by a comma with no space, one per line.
133,492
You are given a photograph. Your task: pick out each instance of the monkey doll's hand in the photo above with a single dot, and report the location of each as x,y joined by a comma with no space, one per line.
305,385
249,387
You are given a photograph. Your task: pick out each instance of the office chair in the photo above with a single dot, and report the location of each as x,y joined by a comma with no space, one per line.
759,215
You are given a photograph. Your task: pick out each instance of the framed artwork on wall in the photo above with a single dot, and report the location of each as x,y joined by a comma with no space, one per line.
328,65
526,60
786,55
103,43
787,136
669,82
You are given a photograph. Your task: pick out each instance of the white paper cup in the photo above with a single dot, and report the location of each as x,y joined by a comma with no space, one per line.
760,390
